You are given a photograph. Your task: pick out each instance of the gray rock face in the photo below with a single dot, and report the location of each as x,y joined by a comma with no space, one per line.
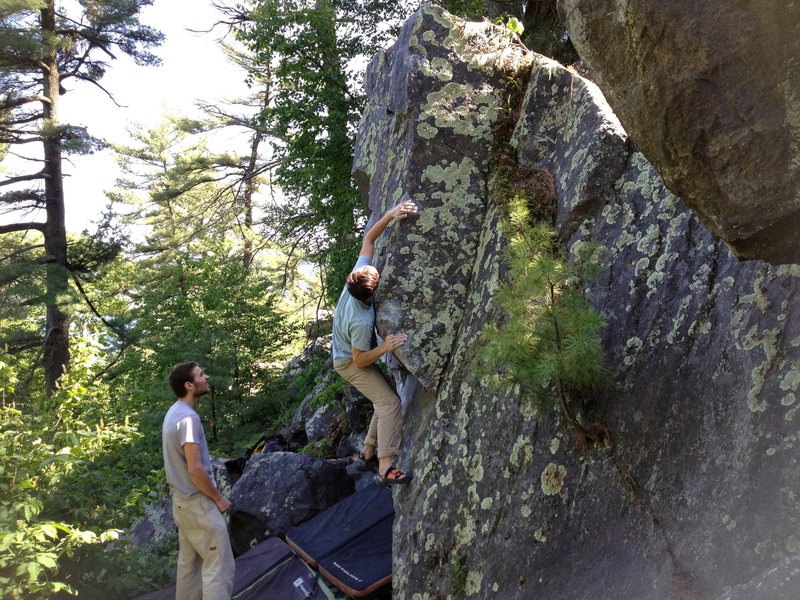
781,582
710,92
701,493
281,490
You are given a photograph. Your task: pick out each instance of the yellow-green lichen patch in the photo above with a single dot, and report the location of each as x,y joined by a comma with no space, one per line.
646,244
474,580
539,536
788,399
767,341
632,348
698,328
522,452
486,503
456,177
431,494
476,468
788,271
653,280
757,297
429,36
554,445
793,544
525,510
762,546
791,380
438,68
641,267
553,478
679,318
445,479
426,130
465,109
610,213
466,529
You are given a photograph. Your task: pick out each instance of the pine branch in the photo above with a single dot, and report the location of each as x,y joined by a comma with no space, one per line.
93,82
13,103
23,227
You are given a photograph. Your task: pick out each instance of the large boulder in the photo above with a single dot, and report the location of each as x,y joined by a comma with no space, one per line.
710,92
281,490
699,493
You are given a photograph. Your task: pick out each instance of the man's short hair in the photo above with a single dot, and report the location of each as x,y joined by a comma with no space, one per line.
362,282
180,376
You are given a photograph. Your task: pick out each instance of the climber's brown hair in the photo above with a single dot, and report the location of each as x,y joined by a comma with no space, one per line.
362,282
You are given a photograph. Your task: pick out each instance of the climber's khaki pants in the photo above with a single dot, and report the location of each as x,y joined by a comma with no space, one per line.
387,420
205,559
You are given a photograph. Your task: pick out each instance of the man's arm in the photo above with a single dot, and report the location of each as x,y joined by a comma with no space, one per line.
363,358
200,477
399,212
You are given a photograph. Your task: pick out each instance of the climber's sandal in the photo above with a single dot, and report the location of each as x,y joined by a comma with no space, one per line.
394,476
367,464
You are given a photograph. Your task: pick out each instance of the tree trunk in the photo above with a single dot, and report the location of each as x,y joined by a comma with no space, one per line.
250,186
56,346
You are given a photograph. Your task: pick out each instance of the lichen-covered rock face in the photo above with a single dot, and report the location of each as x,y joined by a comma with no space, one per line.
701,492
435,99
710,92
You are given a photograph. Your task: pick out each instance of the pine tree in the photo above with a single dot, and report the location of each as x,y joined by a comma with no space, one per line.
549,341
311,48
45,47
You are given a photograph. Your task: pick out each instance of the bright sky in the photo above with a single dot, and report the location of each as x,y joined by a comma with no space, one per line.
194,67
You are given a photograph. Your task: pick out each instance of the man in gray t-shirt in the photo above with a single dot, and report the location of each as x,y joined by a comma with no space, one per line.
205,559
354,356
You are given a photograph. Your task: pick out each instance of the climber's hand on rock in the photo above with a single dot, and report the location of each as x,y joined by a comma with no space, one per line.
394,341
403,209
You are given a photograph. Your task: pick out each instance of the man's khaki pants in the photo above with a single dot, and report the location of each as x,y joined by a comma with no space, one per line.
385,429
205,559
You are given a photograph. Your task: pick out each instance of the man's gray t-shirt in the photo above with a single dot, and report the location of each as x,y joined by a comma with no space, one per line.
353,323
182,425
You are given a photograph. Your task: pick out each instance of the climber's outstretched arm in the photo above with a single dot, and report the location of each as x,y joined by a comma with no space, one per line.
399,212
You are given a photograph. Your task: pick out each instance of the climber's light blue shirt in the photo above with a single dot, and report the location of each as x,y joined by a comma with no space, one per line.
353,322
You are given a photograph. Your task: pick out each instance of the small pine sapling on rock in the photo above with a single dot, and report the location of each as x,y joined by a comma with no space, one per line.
550,339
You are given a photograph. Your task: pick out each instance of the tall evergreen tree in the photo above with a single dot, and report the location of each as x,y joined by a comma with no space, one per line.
45,46
315,50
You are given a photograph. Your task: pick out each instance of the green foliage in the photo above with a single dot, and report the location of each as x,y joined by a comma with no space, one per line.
472,10
60,496
324,448
312,49
458,576
551,336
42,46
515,25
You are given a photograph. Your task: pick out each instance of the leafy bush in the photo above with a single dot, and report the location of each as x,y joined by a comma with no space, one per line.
61,496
